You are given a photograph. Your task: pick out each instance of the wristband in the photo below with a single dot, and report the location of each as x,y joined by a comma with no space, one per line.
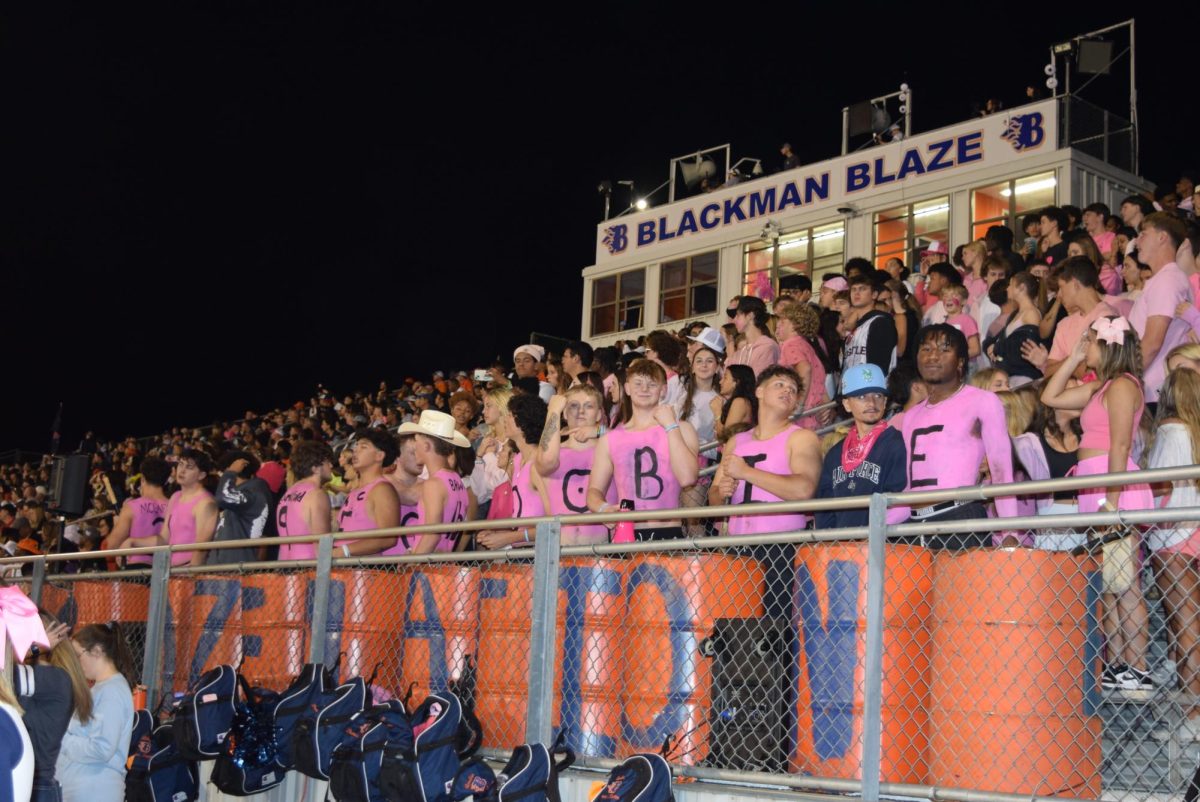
345,550
526,532
601,430
671,428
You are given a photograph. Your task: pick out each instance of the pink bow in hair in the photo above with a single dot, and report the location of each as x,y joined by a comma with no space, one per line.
1111,330
20,623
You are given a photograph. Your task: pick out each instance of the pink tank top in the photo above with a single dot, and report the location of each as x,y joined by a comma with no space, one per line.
454,510
182,521
354,516
148,517
527,502
289,521
409,516
642,468
765,455
1095,423
567,488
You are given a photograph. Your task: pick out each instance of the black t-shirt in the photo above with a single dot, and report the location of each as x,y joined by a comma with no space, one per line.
1055,254
44,692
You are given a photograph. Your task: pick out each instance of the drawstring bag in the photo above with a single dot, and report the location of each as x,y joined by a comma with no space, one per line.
247,765
203,717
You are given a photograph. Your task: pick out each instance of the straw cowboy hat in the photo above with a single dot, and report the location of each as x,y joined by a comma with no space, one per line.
436,424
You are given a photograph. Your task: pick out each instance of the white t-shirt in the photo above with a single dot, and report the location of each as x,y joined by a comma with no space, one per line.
1173,448
22,769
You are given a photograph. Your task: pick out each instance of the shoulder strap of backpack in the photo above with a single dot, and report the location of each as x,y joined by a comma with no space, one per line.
560,748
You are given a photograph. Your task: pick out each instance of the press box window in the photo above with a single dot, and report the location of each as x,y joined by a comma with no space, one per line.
905,231
1004,204
688,287
617,302
811,252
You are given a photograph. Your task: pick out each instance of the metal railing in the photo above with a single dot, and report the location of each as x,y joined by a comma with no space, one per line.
844,660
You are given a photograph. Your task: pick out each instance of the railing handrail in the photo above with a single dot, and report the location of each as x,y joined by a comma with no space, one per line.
907,498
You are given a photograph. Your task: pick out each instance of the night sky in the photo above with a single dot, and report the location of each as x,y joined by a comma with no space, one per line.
212,208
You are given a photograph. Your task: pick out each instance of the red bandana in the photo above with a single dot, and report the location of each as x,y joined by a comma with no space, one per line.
856,449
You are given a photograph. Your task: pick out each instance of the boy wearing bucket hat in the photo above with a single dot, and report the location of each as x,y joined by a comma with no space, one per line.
373,504
871,459
443,495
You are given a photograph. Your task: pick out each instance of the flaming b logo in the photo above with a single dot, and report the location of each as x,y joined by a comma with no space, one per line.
616,238
1024,131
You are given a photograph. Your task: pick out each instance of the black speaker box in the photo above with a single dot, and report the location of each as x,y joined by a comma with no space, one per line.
69,484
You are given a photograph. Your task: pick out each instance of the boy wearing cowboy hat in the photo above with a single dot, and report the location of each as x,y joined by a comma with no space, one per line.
443,495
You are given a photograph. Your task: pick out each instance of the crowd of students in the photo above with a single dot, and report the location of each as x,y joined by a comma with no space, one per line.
1076,356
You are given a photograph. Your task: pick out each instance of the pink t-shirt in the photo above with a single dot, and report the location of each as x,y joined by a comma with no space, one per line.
964,323
1165,290
1104,243
948,441
765,455
642,468
1072,327
795,350
759,356
289,521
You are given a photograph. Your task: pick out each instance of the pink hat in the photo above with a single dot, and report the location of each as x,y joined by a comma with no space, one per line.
937,246
835,283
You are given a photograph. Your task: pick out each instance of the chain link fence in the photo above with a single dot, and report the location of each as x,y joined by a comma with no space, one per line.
1067,666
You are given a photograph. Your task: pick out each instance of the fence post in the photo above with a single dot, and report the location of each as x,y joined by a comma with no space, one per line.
873,674
543,633
156,624
38,579
320,599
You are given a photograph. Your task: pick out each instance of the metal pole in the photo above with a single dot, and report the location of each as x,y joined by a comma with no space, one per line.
873,675
845,130
156,624
39,579
320,597
1133,138
908,110
543,633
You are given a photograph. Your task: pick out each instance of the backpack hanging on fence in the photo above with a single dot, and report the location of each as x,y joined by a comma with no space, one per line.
357,760
158,772
313,683
644,778
320,729
139,736
203,716
531,773
247,765
426,772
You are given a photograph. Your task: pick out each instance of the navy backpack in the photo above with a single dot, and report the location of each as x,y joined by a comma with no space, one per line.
320,729
358,759
247,765
158,773
426,771
644,778
309,688
531,773
205,714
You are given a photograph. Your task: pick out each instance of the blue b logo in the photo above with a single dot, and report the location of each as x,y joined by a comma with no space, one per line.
616,238
1024,131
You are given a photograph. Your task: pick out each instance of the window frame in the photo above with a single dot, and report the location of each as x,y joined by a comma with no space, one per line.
620,306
